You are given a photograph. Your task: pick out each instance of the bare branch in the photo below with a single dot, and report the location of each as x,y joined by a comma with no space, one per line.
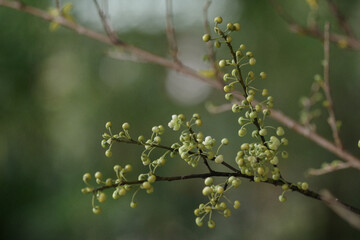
107,27
341,19
170,32
340,209
350,42
328,169
326,87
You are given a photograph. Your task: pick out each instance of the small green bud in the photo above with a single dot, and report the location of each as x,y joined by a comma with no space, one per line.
282,198
219,159
108,125
304,186
263,75
108,153
208,181
217,44
242,47
280,131
86,177
252,61
133,204
228,39
222,63
359,144
237,26
102,197
96,210
242,132
230,26
206,37
126,126
218,19
225,141
236,204
263,132
98,175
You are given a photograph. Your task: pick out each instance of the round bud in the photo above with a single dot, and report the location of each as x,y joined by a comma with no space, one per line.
199,221
98,175
86,177
226,77
217,44
284,154
108,125
222,63
227,88
198,122
282,198
228,39
261,170
225,141
219,189
280,131
263,132
96,210
206,37
141,138
263,75
211,224
219,159
126,126
108,153
208,181
151,178
285,187
207,190
244,146
274,161
127,168
102,197
304,186
242,47
359,143
117,168
115,195
250,98
252,61
229,96
146,185
236,204
230,26
133,204
108,182
242,132
237,26
104,143
265,92
218,19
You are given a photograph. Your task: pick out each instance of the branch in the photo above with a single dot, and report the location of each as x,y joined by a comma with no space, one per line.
293,187
170,32
326,87
351,42
149,57
328,169
341,19
340,209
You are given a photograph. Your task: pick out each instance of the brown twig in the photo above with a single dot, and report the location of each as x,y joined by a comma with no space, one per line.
328,169
326,87
340,209
170,32
351,42
211,52
341,19
152,58
107,27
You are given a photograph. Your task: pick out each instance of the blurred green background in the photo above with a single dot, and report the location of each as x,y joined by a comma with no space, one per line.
58,89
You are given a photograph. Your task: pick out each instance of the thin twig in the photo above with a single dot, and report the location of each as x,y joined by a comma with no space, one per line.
170,32
341,19
326,87
351,42
328,169
340,209
211,52
57,4
149,57
107,27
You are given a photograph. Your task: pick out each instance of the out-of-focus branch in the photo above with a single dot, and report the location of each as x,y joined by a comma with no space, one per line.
328,169
107,27
326,87
152,58
348,41
211,52
341,19
341,210
170,32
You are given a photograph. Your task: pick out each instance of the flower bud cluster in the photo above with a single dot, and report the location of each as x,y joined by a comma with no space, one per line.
216,195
